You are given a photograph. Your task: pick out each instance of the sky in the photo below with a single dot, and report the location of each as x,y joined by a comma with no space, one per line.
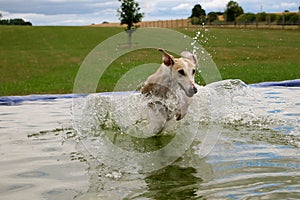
86,12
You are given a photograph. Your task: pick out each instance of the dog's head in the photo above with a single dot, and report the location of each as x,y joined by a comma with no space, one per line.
183,70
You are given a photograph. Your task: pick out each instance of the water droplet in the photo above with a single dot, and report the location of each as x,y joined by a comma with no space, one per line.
114,175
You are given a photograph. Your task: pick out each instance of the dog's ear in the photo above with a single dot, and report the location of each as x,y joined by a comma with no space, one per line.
190,56
167,58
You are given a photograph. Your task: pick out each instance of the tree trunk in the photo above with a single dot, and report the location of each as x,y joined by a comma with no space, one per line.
129,32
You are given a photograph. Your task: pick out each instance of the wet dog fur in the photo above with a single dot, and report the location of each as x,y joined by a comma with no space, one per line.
173,79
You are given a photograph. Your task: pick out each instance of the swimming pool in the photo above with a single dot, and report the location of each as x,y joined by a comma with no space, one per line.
243,143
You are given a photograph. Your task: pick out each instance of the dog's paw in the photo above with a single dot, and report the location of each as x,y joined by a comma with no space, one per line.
178,116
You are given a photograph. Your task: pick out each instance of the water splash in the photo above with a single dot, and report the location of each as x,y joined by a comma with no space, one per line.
229,102
120,128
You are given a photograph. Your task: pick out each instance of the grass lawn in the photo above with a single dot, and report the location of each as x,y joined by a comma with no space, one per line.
46,59
254,55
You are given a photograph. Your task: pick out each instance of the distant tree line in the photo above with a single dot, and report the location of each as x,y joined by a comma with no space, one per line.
285,18
16,21
234,13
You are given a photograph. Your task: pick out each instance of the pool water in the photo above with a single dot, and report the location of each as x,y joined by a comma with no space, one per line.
243,143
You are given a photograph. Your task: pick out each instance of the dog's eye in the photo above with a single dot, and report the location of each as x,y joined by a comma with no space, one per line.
181,72
194,71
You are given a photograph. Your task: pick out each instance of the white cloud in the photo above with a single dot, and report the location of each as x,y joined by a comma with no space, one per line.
214,5
109,4
62,19
183,6
288,5
85,12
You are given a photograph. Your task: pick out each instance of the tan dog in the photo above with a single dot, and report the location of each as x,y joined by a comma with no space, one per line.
174,79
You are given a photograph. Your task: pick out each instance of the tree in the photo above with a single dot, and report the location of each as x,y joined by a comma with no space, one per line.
16,21
129,13
233,10
261,17
247,18
198,14
197,11
287,19
212,16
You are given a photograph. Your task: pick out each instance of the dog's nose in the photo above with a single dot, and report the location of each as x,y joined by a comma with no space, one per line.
195,89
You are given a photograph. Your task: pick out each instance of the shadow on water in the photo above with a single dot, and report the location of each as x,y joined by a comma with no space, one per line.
141,145
176,180
180,180
173,182
236,168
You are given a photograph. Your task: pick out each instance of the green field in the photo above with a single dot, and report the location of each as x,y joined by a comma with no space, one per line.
39,60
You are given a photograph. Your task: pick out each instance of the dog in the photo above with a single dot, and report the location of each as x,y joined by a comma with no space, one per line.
174,80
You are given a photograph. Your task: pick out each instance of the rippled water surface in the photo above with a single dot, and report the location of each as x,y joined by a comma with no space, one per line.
243,142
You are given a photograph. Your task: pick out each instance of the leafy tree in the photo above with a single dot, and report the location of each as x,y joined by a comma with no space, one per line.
16,21
198,11
261,17
247,17
195,20
129,13
198,14
288,19
233,10
266,17
272,17
212,16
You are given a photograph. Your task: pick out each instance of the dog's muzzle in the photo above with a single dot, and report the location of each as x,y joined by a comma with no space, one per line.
191,91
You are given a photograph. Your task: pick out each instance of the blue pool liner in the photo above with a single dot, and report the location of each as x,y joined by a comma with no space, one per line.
289,83
15,100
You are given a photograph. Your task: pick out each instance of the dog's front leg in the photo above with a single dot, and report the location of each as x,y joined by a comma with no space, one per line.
183,108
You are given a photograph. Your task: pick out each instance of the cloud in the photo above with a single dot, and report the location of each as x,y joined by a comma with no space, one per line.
68,1
61,12
214,5
183,6
54,7
288,5
85,12
63,19
105,4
